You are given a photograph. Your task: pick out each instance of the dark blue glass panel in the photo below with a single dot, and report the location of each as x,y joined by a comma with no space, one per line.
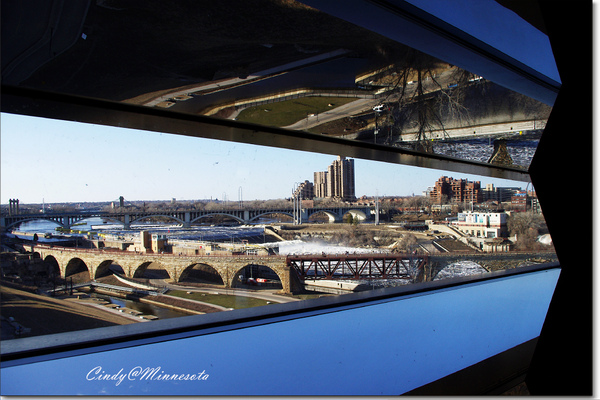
383,348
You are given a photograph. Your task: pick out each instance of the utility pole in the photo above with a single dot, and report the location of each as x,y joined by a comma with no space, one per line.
297,199
376,208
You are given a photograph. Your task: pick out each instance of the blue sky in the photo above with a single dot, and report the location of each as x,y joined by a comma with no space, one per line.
59,161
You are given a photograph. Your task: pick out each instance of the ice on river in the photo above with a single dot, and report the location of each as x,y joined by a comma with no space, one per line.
461,268
298,247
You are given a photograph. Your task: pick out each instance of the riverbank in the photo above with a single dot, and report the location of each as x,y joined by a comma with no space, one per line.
161,300
44,315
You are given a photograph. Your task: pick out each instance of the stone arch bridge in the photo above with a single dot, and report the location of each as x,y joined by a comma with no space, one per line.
97,263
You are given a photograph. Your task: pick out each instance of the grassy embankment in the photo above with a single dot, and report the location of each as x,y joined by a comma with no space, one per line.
222,300
288,112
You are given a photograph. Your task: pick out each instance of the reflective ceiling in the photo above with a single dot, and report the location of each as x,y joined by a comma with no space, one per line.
277,63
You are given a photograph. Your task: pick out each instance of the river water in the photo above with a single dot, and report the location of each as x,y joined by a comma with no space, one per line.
147,309
96,224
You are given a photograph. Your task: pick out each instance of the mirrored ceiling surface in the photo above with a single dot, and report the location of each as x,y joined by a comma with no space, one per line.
276,63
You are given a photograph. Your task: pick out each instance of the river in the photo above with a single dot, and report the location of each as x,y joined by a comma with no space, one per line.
208,233
147,309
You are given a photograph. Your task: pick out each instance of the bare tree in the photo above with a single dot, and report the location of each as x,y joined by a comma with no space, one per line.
423,103
406,243
526,227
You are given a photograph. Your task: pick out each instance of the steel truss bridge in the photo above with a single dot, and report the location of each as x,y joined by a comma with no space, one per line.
359,266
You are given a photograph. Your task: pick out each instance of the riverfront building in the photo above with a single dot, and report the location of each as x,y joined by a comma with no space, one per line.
482,225
337,182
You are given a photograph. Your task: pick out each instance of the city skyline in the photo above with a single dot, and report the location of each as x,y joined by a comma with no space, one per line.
51,161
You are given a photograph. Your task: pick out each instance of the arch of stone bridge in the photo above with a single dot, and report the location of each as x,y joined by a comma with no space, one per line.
238,269
229,268
180,221
137,268
57,221
104,266
108,218
271,212
240,220
356,213
205,268
62,259
76,265
52,263
333,217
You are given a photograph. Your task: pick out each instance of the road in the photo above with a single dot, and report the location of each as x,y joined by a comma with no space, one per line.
230,83
365,105
54,29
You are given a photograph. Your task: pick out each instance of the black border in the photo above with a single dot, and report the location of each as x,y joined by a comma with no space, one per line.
562,363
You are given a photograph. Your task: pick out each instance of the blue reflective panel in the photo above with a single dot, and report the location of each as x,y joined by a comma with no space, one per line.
376,349
499,27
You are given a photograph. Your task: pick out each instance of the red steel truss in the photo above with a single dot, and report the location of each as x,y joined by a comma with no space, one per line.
358,266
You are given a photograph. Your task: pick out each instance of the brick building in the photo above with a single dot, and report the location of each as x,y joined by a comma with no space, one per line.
456,191
519,201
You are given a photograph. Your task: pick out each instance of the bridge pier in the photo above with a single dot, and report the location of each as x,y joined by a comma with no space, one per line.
126,221
187,219
66,222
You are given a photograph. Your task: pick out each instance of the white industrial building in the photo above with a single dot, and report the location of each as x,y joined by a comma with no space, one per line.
482,224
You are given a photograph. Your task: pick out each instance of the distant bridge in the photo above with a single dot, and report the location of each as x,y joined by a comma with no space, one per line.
186,217
504,129
290,270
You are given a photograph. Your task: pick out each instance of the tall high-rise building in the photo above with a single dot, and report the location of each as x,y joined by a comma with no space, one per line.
337,182
320,185
305,191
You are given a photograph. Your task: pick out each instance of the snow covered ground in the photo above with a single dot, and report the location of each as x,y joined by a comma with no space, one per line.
460,268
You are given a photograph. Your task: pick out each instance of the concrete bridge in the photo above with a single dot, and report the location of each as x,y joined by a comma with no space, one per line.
186,217
495,131
134,265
